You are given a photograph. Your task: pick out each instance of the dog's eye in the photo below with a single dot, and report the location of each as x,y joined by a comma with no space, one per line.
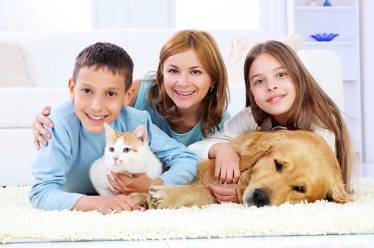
278,166
300,189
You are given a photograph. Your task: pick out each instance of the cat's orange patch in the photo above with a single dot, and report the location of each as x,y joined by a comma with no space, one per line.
128,138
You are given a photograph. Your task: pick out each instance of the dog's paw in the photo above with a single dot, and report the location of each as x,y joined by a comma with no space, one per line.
158,197
139,199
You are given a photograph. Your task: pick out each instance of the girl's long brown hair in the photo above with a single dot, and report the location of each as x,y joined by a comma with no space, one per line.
215,102
312,106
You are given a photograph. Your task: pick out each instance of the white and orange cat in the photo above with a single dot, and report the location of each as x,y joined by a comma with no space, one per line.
125,152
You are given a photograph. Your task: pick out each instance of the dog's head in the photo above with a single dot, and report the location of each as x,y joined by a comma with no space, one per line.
287,166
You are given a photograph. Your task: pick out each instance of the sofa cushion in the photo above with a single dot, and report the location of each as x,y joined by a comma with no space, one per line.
20,105
325,66
240,48
12,66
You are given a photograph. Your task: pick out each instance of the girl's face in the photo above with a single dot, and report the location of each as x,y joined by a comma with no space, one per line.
273,89
186,81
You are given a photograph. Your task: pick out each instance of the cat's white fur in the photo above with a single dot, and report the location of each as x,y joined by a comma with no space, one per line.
138,159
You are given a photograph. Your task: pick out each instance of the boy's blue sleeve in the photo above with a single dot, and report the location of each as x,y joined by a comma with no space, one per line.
50,168
180,163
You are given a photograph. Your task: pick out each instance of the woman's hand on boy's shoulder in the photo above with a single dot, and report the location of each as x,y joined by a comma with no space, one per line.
41,135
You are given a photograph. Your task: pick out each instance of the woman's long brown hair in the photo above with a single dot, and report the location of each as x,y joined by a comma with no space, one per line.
215,102
312,106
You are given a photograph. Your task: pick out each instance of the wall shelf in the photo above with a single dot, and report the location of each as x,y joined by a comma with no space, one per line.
329,43
325,9
341,18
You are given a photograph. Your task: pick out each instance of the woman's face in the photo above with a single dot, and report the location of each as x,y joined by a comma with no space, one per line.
186,81
272,87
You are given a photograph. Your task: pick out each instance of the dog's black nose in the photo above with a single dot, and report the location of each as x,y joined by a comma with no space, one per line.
260,198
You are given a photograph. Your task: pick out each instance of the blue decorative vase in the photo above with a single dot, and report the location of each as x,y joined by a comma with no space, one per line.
327,3
324,36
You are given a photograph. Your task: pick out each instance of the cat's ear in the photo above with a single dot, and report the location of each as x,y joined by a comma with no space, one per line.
141,133
109,132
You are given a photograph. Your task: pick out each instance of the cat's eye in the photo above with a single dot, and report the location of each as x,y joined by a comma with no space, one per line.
126,149
299,188
111,149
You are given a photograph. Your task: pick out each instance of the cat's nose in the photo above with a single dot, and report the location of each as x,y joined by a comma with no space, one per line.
115,159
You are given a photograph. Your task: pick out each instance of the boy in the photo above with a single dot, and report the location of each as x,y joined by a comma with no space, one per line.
101,77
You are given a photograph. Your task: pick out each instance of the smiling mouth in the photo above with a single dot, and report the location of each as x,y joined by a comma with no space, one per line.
97,118
187,93
275,99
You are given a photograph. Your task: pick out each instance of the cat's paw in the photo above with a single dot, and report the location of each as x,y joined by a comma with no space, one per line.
159,198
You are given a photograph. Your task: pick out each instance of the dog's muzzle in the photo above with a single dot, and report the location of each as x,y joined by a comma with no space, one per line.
259,198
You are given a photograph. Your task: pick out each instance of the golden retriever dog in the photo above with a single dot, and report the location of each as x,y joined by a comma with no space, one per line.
276,167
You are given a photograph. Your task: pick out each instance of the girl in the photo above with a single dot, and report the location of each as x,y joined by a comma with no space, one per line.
281,93
187,99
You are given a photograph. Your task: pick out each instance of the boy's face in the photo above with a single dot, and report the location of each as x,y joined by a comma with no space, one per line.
98,97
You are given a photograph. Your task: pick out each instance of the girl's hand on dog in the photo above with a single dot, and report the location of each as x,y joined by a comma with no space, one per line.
227,163
224,192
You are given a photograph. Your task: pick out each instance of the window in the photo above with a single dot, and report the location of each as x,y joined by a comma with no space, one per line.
45,14
218,14
143,14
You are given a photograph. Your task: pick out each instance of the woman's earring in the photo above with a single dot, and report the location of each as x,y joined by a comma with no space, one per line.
211,88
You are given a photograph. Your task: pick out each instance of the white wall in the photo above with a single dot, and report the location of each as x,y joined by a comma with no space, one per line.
132,14
367,65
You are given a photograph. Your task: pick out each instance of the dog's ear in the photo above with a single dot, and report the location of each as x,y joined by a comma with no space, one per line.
337,190
244,179
254,145
338,194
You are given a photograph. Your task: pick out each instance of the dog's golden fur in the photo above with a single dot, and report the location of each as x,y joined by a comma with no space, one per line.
276,167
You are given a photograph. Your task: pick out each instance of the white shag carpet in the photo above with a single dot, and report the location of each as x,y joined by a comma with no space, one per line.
20,222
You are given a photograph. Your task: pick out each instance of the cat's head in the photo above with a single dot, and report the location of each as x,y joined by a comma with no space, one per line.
123,149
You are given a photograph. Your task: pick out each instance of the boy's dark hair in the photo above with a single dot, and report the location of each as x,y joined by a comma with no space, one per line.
106,55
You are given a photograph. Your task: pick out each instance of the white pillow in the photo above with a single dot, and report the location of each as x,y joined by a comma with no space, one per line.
240,48
12,66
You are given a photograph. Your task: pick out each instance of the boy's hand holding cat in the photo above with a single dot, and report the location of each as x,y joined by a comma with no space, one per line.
125,184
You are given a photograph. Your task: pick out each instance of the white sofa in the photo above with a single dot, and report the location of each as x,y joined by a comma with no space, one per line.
49,58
